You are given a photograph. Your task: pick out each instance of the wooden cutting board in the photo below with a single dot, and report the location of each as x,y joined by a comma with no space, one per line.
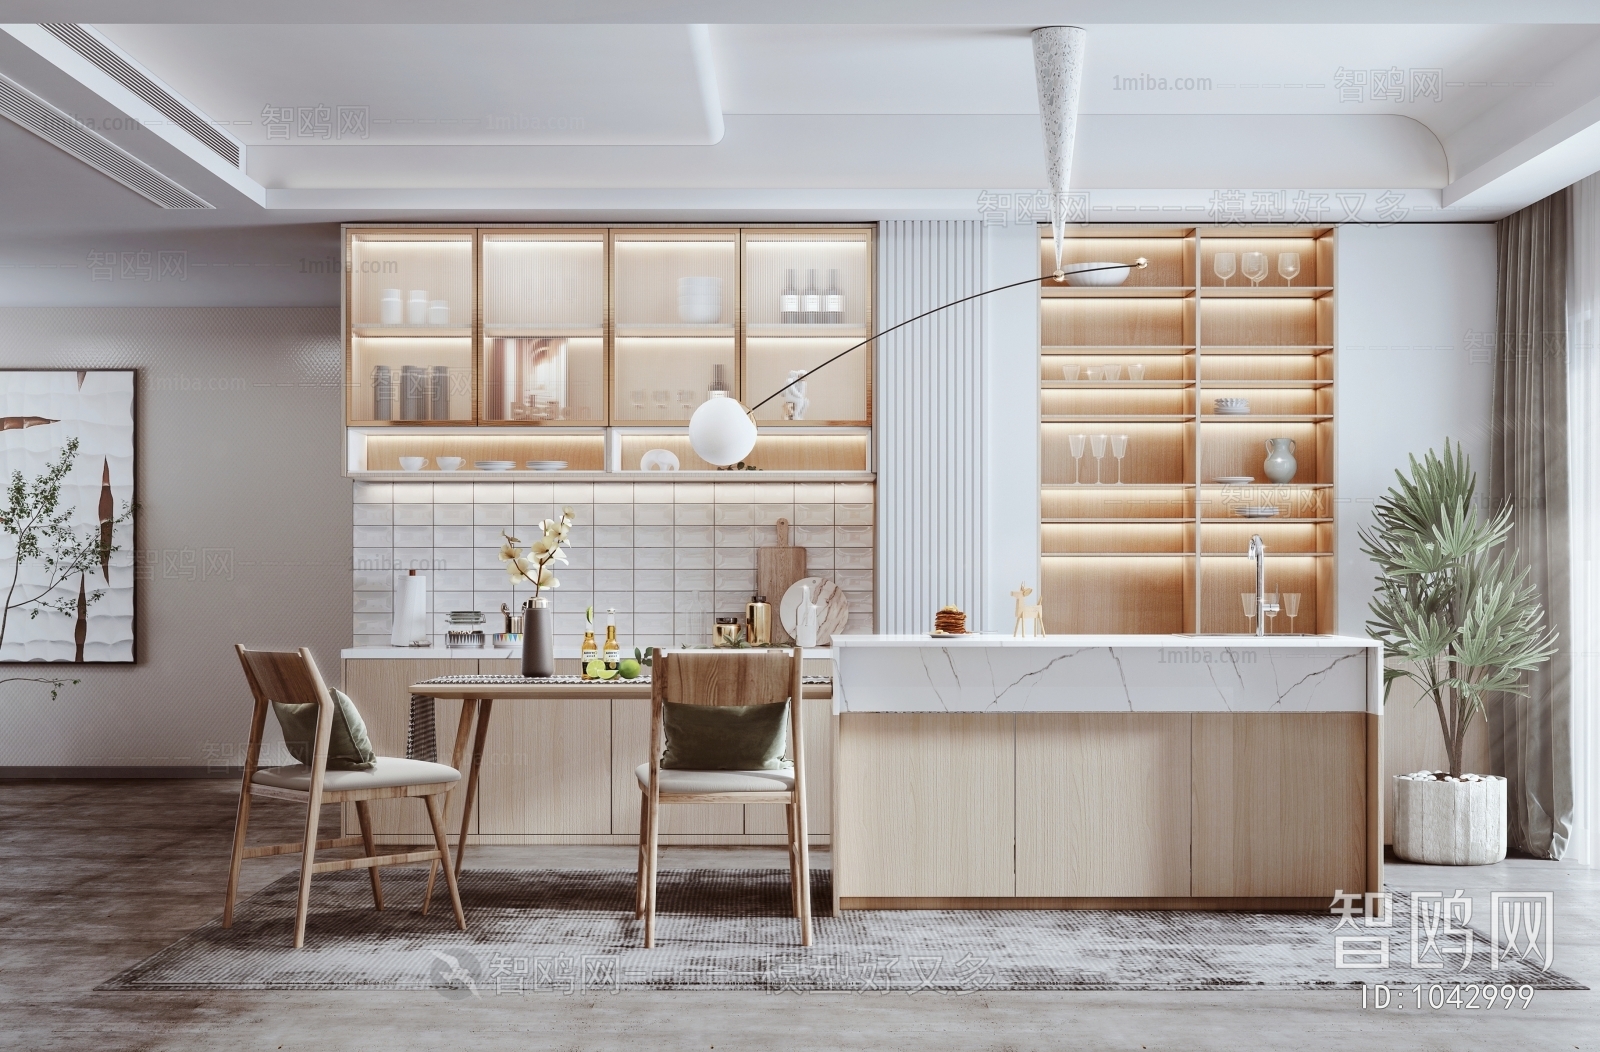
777,568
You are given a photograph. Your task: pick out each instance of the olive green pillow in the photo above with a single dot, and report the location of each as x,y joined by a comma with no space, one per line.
348,746
725,737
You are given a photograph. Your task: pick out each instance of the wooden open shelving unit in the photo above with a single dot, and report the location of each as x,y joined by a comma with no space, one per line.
1163,549
567,342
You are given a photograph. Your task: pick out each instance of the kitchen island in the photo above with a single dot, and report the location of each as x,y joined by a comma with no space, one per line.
1106,771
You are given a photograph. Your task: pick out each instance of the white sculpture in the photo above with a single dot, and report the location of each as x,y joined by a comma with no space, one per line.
795,402
806,618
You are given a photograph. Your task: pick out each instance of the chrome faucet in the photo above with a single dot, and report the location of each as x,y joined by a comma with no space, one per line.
1258,552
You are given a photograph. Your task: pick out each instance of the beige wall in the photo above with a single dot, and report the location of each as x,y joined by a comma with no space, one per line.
244,527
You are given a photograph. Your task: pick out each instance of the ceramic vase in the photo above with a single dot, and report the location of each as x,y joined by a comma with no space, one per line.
538,639
1280,465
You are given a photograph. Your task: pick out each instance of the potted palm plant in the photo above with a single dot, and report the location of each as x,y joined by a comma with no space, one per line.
1459,619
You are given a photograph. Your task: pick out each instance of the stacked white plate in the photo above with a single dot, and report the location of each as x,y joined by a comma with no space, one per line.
1232,406
547,465
1256,511
1234,480
494,465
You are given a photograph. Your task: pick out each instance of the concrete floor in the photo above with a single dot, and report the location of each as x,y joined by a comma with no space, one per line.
95,876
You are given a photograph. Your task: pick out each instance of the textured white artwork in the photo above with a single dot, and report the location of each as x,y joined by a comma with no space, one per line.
40,411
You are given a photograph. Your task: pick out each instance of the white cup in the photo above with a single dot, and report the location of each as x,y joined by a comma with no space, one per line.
1069,372
449,463
391,308
413,463
439,312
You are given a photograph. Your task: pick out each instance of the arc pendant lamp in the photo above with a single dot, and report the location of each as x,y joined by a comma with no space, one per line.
723,432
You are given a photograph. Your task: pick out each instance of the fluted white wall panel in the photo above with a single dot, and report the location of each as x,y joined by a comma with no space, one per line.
929,415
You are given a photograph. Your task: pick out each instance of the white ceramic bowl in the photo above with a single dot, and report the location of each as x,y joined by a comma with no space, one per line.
1097,278
449,463
413,463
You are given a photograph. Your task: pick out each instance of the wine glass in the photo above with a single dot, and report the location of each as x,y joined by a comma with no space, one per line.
1097,449
1254,267
638,402
1291,608
661,402
1269,609
1288,266
1075,442
1119,446
1248,600
686,400
1226,264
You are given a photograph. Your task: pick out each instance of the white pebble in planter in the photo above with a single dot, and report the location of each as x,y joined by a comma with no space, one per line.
1449,822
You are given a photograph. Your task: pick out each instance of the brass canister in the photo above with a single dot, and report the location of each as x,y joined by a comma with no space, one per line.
726,633
758,621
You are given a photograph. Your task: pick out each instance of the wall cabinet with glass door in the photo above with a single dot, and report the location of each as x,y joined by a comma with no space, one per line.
540,332
1161,399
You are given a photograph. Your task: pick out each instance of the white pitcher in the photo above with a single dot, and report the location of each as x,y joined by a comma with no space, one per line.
1280,465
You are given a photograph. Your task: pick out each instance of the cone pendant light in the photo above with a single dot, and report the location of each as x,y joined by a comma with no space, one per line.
1058,70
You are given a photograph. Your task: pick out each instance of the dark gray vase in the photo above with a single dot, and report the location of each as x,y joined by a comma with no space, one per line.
538,638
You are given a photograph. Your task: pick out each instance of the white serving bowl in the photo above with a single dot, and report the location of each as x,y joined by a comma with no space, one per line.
1096,278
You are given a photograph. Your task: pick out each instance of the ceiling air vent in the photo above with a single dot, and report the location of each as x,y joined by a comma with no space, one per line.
92,148
123,72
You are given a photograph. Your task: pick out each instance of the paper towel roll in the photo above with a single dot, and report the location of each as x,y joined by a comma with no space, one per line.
410,610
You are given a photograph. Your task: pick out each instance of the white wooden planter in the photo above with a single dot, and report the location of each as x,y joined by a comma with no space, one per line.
1450,823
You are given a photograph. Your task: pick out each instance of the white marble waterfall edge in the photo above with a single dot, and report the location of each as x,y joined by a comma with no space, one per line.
1107,674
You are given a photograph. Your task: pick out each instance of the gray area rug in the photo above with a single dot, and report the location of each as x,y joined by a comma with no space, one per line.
565,931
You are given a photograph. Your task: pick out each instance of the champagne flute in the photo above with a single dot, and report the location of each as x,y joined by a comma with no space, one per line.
1076,444
1248,600
1226,264
1119,446
1288,266
1269,609
1097,449
1291,607
1254,267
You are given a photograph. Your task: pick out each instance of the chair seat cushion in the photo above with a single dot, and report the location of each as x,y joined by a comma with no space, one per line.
675,782
387,772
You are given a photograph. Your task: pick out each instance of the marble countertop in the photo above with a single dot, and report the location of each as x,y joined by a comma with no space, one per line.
476,653
1108,674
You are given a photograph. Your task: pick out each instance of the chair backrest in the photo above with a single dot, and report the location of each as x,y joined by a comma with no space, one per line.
291,677
725,677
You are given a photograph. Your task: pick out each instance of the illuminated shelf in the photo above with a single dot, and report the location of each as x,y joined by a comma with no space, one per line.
1275,292
1106,292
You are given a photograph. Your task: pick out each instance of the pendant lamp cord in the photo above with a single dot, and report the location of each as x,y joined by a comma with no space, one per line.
1138,264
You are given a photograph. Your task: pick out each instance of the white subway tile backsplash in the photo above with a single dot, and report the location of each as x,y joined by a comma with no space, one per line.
414,536
492,492
533,492
652,580
652,558
668,556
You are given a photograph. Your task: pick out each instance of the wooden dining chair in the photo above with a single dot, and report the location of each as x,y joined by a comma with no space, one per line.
724,677
292,678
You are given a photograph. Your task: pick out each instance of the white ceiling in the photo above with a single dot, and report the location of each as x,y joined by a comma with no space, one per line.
868,110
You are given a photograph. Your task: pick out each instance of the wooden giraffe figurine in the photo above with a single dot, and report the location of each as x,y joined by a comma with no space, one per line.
1025,613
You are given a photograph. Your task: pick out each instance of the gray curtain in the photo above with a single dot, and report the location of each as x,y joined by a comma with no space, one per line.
1531,737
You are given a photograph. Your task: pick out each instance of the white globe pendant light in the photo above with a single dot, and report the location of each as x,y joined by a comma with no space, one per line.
721,430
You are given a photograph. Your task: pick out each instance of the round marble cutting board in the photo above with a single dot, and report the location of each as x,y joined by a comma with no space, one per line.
831,618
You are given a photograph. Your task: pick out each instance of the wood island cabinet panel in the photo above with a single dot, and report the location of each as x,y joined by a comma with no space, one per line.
1103,804
630,746
1280,803
379,690
546,764
926,805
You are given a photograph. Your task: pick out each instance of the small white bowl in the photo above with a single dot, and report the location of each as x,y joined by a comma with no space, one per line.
413,463
449,463
1097,278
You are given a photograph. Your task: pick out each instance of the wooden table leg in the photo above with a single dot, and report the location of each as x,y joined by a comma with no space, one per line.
458,753
484,707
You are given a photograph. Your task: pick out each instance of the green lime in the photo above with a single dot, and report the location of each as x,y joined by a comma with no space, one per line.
607,673
596,669
628,668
